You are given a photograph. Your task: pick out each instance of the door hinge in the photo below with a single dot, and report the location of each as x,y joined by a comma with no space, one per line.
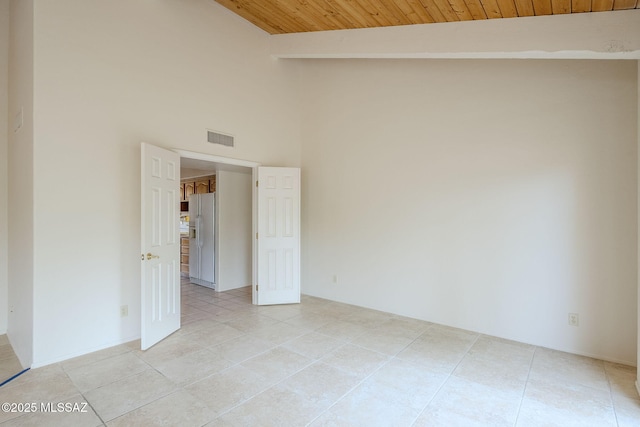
256,236
256,288
256,183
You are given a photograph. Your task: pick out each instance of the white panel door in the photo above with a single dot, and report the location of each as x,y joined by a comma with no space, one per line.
160,243
278,238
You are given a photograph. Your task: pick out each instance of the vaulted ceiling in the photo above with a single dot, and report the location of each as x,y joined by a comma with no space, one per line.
295,16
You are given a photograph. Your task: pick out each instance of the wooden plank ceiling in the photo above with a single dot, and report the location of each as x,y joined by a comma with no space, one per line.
296,16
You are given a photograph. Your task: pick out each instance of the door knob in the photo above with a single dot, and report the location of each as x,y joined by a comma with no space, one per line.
151,256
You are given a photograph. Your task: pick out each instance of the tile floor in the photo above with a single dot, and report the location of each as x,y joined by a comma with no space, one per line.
321,363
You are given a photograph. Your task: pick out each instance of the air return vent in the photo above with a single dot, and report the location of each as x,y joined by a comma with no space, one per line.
219,138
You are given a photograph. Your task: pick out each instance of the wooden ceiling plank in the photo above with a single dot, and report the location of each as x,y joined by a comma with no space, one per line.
433,10
236,7
508,8
273,15
525,8
322,12
578,6
421,11
560,7
300,13
447,10
460,8
625,4
414,16
476,9
391,11
352,10
491,8
542,7
601,5
374,13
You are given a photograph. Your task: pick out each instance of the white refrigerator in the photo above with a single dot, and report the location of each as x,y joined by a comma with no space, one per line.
202,239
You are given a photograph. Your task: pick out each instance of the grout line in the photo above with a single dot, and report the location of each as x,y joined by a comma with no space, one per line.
613,403
526,383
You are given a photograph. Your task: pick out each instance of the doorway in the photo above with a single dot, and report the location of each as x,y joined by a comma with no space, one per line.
233,199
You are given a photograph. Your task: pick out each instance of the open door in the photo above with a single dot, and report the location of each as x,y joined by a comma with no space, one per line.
278,236
160,200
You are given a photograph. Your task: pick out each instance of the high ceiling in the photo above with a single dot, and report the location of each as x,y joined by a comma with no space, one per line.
295,16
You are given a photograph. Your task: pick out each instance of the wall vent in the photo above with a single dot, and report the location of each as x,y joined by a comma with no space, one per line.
219,138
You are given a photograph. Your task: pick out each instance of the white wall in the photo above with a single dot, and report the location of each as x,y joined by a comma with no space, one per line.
492,195
109,75
4,166
234,214
21,170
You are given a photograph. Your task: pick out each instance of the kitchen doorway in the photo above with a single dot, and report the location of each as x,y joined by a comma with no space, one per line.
227,241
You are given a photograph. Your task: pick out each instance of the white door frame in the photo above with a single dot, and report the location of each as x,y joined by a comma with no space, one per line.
254,202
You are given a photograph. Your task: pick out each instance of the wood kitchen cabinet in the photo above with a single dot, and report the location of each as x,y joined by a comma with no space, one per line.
189,189
202,186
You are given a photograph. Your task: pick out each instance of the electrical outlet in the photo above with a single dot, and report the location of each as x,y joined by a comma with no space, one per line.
574,319
335,278
124,311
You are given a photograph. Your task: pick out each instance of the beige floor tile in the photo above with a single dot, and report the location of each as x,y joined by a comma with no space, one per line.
627,412
193,366
195,326
6,351
439,348
277,363
276,406
229,388
313,345
622,380
176,409
356,360
377,340
392,396
310,301
71,412
278,333
38,388
106,371
342,330
9,368
497,363
535,414
460,403
309,320
575,404
120,397
241,348
404,327
568,368
321,384
367,318
96,356
417,386
214,336
280,312
251,322
336,310
168,349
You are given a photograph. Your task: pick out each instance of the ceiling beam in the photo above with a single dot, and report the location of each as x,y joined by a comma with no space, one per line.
603,35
